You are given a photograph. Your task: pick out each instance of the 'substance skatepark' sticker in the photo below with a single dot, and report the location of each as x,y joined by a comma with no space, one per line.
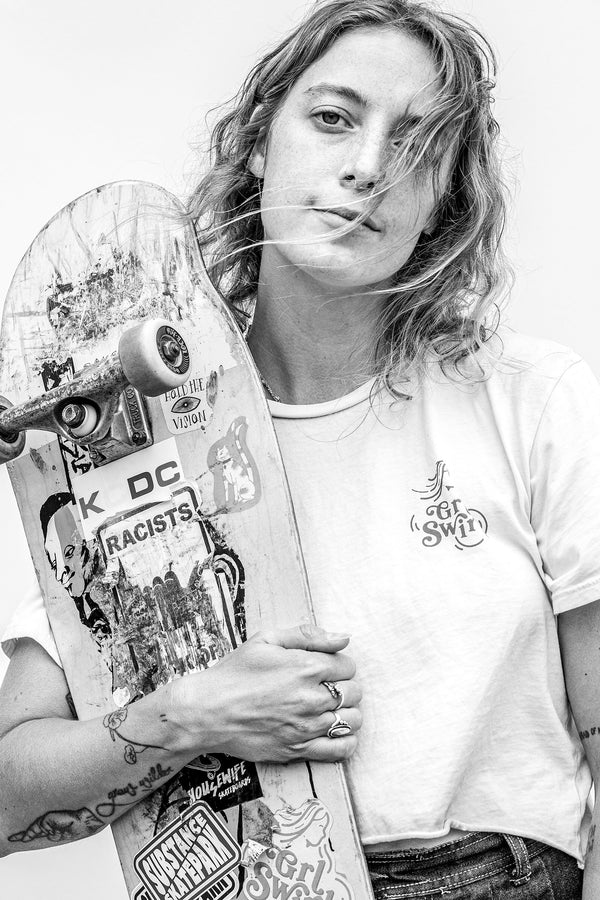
221,890
189,859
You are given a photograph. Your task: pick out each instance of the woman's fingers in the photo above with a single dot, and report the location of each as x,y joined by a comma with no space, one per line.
304,637
350,716
340,693
324,749
300,731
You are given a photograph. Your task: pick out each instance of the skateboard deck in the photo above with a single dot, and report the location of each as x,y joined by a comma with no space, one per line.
163,536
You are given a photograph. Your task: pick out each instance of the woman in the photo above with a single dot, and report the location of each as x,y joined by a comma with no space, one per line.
442,472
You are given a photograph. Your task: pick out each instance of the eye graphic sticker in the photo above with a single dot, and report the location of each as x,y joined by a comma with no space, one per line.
445,517
185,405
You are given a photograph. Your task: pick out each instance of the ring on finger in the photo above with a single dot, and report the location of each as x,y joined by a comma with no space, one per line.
338,728
336,692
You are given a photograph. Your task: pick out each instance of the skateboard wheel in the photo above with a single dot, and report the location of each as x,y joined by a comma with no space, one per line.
11,444
154,357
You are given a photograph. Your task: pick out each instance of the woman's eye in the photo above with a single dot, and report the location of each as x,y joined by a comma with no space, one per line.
329,117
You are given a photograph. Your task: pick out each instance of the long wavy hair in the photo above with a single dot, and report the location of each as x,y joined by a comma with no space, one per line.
444,303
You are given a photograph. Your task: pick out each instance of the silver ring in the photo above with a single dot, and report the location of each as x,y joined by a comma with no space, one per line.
336,692
338,728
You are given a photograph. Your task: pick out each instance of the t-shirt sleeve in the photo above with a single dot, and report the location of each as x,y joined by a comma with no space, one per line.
30,621
565,482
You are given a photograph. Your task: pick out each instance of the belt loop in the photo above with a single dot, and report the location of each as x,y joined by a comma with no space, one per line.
522,870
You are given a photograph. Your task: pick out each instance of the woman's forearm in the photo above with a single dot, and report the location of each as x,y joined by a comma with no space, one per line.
63,780
591,874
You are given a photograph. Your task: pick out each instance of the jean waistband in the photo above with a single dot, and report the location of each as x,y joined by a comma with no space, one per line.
479,854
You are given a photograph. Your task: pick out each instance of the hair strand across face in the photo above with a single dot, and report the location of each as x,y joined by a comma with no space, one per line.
443,303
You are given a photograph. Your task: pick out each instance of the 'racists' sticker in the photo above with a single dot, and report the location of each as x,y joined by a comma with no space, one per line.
191,858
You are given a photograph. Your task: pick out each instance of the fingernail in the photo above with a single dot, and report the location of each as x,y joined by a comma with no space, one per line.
337,635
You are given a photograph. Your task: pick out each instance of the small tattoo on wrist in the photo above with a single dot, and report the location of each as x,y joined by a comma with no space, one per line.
133,749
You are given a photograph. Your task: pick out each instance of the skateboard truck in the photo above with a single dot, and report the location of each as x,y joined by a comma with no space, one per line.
102,407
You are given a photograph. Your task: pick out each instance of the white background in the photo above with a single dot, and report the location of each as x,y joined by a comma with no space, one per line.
97,92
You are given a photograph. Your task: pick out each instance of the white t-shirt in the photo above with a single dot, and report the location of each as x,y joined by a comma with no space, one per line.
444,533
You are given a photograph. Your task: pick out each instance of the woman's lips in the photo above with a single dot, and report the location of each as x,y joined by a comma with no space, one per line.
348,215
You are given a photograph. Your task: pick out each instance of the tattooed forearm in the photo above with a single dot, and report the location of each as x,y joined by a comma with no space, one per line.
70,825
59,825
590,843
133,749
594,731
145,784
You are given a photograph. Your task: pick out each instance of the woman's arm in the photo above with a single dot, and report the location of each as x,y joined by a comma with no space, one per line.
579,634
63,779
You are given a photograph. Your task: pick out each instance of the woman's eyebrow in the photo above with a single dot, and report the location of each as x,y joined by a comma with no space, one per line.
341,90
354,96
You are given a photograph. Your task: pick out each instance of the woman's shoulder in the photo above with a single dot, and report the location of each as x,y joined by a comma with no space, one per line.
514,352
529,372
519,363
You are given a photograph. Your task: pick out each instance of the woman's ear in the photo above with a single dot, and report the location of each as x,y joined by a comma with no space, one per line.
257,159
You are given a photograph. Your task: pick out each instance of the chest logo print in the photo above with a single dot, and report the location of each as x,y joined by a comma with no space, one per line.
444,516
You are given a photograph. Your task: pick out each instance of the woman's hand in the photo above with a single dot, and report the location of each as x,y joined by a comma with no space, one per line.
267,701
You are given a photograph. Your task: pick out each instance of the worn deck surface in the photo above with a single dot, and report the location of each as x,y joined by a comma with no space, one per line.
160,563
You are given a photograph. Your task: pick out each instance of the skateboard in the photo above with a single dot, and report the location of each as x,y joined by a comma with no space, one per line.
147,473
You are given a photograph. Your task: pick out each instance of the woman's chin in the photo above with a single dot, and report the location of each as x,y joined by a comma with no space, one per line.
344,275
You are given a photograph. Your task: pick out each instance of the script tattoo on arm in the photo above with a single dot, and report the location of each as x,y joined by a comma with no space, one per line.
133,749
144,786
70,825
585,735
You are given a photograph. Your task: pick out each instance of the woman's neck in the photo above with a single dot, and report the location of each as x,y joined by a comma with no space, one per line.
312,344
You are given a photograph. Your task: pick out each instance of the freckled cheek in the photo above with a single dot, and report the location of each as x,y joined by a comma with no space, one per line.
297,167
410,211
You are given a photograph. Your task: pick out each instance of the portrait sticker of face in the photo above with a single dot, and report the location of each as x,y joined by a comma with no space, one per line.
67,552
73,560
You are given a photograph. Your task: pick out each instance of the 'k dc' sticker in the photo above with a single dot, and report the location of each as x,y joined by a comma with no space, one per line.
192,857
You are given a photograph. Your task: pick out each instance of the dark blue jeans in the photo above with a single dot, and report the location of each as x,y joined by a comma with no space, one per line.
480,866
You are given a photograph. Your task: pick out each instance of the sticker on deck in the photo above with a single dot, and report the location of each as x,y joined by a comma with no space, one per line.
190,407
192,858
223,780
300,863
147,476
223,889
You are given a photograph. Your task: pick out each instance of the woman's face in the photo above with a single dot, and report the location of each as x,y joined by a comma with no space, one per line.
327,148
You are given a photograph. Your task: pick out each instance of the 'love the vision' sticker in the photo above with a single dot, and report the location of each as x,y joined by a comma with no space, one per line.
191,858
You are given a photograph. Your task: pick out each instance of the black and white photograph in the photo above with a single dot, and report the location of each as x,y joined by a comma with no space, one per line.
299,451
